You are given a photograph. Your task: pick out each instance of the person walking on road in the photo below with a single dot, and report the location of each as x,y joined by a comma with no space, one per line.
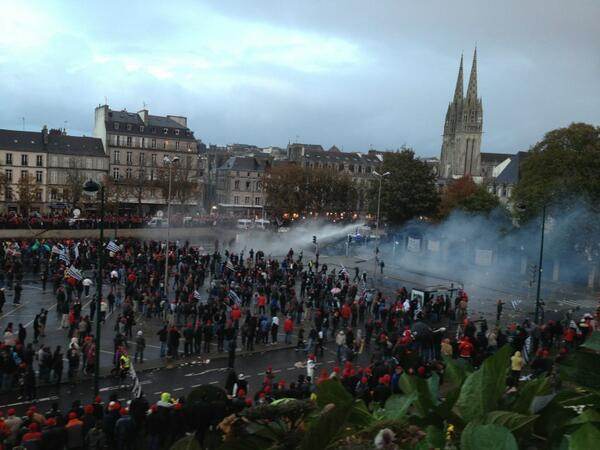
140,345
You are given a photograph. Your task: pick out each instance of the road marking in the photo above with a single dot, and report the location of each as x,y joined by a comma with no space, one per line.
36,400
178,389
12,312
291,368
213,382
196,385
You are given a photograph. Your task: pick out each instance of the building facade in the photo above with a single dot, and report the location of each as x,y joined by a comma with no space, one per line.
463,127
137,144
240,185
45,171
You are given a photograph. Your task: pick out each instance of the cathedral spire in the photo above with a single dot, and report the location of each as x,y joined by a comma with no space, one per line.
458,91
472,89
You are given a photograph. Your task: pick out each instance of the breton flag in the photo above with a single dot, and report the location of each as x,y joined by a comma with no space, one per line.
229,265
76,250
58,249
233,296
197,295
64,257
343,271
75,273
112,247
515,304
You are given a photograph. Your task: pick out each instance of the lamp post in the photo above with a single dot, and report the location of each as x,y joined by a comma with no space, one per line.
170,162
91,187
380,176
536,316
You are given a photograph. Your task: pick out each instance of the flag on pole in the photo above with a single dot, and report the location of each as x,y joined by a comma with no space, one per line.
229,265
112,247
76,250
197,295
58,249
73,272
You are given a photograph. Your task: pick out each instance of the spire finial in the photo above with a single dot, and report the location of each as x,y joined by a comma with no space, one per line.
472,89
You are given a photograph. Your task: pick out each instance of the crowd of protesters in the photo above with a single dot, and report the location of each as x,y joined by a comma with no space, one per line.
219,301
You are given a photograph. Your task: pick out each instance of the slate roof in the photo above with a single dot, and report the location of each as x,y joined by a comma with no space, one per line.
32,141
244,163
157,122
512,172
494,157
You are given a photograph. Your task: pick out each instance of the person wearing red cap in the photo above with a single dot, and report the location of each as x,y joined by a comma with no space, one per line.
53,435
14,423
32,436
74,431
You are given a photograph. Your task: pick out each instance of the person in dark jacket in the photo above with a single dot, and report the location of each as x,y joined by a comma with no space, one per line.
53,435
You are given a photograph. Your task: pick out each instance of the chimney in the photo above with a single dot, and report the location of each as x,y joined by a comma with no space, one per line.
45,135
143,115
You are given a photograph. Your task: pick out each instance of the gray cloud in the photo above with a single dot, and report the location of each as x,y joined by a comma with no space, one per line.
347,73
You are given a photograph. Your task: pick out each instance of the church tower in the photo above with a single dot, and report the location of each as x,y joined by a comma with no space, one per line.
461,146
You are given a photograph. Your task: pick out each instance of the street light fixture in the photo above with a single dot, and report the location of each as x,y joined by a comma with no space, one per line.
91,188
170,162
536,317
380,176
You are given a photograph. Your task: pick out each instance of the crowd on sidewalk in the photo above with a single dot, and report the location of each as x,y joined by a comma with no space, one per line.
246,298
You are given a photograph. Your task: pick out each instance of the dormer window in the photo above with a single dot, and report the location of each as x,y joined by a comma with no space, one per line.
141,128
128,127
165,130
176,132
116,125
153,130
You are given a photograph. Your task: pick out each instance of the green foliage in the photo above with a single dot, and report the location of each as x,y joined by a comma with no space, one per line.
424,390
585,437
466,195
397,405
409,191
186,443
562,166
483,388
488,437
528,391
583,365
511,420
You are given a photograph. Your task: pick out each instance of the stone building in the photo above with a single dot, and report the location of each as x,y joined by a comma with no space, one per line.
463,126
240,187
137,144
54,164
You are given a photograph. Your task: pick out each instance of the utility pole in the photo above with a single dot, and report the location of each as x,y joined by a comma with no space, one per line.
539,278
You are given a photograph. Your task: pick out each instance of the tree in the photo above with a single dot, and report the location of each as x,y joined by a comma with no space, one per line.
561,168
115,192
27,192
137,187
182,186
74,185
464,194
5,187
294,189
408,191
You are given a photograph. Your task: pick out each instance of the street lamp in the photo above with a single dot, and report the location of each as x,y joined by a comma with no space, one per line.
91,188
170,162
536,316
380,176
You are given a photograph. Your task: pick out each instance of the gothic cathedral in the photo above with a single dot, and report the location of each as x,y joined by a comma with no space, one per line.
461,147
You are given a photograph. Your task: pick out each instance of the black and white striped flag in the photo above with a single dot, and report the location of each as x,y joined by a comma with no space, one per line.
75,273
197,295
229,265
112,247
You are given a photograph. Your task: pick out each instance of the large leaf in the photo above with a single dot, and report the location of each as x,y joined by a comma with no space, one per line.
332,391
511,420
326,428
186,443
487,437
586,437
397,405
588,415
582,367
527,392
483,388
426,391
457,370
593,342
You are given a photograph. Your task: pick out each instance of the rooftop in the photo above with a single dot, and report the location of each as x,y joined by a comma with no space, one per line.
32,141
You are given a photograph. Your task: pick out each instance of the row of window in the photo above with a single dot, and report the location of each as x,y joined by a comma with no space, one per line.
9,194
142,128
39,175
247,184
131,141
247,200
340,167
39,159
142,158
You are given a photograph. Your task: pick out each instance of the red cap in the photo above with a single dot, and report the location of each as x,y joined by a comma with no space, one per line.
177,406
98,399
364,380
88,409
33,427
421,371
51,422
123,411
72,415
11,411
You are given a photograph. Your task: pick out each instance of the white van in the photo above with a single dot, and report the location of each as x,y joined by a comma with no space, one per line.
244,224
157,222
261,223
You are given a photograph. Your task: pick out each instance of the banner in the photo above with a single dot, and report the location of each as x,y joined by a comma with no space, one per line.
483,257
413,245
433,246
136,388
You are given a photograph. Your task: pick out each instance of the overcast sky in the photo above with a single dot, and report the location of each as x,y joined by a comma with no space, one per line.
350,73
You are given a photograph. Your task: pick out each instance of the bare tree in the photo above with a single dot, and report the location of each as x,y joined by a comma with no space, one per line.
27,192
